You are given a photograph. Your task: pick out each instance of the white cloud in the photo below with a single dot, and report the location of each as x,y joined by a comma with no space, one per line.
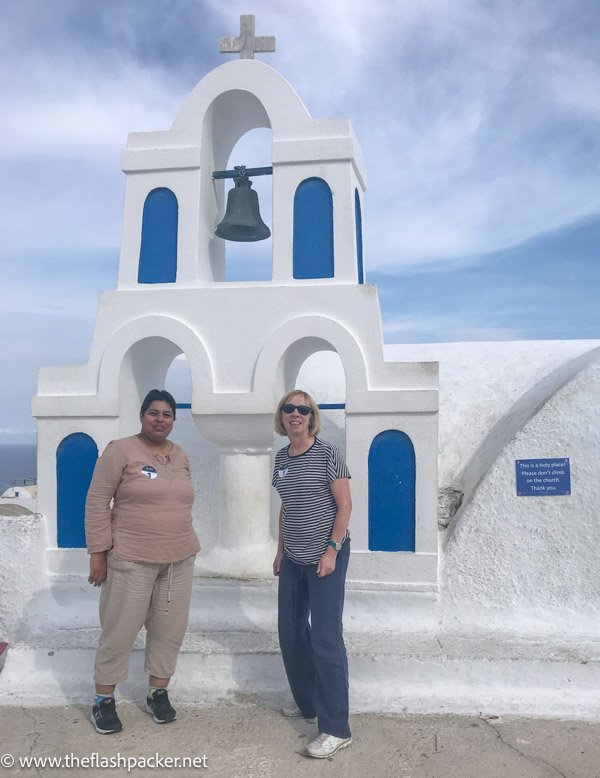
478,122
429,328
573,81
77,114
460,108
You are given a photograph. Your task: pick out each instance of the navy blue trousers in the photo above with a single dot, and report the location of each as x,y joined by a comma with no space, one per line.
314,655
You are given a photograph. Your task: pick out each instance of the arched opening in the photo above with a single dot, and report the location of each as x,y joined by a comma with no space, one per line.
158,249
392,478
320,373
252,261
76,458
202,454
178,381
313,230
322,376
144,367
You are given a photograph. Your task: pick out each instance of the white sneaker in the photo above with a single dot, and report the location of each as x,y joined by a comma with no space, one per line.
292,711
325,745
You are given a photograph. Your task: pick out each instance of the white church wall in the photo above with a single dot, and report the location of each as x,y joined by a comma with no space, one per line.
528,563
23,570
480,382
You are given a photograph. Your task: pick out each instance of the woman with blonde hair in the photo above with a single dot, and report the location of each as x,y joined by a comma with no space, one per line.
312,480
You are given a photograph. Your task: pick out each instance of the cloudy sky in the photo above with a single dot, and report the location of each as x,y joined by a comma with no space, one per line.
479,123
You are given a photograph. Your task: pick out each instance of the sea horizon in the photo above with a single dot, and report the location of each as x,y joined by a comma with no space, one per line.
18,462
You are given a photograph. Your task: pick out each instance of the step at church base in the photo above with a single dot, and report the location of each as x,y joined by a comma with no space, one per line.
225,616
383,684
402,658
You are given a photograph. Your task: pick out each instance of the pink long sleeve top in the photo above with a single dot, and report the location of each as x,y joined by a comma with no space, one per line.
150,518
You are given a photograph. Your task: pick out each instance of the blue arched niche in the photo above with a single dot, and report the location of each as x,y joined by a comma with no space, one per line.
392,477
359,239
76,458
158,250
313,230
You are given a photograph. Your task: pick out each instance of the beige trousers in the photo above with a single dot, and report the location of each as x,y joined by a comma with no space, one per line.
137,594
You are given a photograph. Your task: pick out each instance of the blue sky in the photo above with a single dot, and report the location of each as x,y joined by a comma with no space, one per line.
479,123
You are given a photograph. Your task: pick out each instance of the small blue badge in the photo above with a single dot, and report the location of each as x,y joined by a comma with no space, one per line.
149,471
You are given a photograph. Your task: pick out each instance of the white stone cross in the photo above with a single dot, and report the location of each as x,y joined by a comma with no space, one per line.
247,44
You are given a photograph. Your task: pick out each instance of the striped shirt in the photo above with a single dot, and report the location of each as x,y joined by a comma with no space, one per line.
309,508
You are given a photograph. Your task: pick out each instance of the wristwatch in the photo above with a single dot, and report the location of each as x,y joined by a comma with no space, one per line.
333,544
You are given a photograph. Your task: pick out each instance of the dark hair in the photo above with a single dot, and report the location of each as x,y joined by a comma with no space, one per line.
160,395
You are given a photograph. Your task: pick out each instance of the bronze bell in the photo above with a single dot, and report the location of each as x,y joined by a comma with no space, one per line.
242,220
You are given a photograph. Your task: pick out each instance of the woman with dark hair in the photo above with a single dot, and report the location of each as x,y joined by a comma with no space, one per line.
311,478
142,546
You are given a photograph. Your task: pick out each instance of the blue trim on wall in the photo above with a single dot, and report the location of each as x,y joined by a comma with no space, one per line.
76,457
313,230
321,406
359,239
392,478
158,250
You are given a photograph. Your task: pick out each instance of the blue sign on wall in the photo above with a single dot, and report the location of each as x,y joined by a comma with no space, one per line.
543,477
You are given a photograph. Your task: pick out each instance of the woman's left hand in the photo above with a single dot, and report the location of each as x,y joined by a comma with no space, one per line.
97,574
326,564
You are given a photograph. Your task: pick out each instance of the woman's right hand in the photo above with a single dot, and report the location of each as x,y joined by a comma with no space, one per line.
277,562
97,574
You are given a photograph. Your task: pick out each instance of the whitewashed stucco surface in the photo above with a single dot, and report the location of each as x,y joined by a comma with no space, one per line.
480,383
517,559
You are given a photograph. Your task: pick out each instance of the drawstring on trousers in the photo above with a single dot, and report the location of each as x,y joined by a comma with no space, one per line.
170,579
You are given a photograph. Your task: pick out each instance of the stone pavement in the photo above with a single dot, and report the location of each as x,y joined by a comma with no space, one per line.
251,740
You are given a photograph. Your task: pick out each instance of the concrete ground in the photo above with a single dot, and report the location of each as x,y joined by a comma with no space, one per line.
230,740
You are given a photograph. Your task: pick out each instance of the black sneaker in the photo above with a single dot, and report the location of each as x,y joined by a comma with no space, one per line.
160,707
104,717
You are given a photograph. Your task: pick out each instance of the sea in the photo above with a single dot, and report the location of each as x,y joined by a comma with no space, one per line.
17,463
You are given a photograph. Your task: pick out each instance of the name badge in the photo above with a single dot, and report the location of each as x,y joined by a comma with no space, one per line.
149,471
283,473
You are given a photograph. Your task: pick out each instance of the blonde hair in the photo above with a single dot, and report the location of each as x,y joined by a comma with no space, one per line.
314,422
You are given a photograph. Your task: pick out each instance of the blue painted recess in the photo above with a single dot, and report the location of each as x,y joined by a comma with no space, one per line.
76,458
392,477
359,239
313,230
158,250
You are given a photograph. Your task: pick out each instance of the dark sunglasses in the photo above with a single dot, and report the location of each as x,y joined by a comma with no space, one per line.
303,410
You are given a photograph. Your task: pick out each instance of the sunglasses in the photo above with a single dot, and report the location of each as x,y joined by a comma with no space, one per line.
303,410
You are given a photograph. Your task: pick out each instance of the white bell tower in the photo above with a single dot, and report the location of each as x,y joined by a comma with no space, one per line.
245,341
